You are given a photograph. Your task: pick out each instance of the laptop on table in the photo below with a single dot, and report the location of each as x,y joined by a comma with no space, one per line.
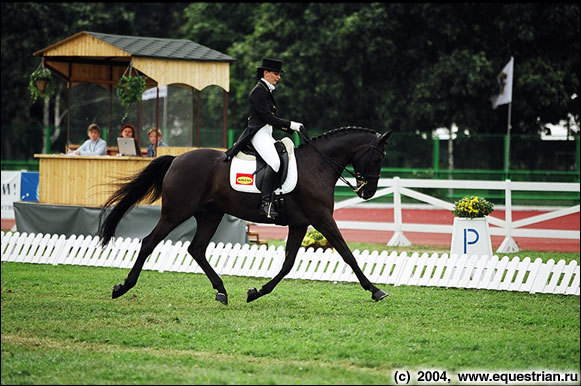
126,146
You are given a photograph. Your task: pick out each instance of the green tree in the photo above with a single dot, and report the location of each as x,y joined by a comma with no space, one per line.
410,67
29,27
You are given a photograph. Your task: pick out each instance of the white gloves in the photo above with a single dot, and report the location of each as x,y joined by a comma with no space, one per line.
296,126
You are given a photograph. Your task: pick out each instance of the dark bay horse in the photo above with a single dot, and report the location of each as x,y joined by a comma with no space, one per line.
197,184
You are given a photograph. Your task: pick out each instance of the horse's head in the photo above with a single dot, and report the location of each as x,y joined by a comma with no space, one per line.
366,161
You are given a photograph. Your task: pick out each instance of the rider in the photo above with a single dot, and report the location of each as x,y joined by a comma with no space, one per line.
261,121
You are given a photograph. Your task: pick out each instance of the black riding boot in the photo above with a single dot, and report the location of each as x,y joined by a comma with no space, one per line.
266,194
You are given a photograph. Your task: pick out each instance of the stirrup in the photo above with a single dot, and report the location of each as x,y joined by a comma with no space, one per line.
267,209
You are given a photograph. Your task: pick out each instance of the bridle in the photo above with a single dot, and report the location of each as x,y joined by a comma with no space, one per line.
362,178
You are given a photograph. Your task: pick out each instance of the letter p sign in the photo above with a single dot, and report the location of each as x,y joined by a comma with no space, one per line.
466,242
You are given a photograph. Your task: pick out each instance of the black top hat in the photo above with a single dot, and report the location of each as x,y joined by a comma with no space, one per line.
271,65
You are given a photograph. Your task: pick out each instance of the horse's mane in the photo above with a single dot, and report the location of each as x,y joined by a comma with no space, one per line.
340,130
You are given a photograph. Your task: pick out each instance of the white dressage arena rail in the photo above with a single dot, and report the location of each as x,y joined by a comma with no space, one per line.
507,227
476,272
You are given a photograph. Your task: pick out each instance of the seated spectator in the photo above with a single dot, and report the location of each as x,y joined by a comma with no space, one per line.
154,135
94,145
128,131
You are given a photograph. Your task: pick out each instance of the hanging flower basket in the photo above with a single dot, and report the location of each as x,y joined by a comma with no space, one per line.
472,207
129,90
315,239
41,84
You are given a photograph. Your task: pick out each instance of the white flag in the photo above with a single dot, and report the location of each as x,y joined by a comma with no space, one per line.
505,81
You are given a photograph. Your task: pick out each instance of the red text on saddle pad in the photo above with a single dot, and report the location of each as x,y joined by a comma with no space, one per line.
244,179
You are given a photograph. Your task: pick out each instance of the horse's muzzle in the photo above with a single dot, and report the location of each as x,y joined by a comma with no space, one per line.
365,194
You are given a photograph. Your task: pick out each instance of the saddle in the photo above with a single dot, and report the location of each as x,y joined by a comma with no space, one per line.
247,169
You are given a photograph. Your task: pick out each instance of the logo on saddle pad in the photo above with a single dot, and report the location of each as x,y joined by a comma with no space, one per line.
244,179
243,171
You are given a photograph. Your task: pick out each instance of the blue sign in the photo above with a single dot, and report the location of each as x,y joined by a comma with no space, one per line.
29,186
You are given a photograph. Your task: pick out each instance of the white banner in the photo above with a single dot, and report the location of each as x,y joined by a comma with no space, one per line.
152,93
10,192
505,81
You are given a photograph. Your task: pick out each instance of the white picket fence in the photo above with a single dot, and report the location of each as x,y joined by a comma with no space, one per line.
480,272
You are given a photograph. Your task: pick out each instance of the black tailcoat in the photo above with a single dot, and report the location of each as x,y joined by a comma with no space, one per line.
262,111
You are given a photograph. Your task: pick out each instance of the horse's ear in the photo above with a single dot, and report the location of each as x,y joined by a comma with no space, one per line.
384,137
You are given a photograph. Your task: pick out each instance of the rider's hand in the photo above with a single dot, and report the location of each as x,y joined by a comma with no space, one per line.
296,126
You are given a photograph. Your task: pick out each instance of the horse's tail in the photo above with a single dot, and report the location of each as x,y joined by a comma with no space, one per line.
146,184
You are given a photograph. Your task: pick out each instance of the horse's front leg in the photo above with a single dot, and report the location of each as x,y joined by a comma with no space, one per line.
294,240
328,227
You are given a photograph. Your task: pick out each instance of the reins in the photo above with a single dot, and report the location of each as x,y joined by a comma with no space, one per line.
360,178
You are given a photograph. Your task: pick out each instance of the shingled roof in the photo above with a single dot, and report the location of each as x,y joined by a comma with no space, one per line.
152,47
163,48
103,58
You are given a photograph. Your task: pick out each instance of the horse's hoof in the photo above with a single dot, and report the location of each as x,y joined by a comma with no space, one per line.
378,295
253,294
222,298
118,291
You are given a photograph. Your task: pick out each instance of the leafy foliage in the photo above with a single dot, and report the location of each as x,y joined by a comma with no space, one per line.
50,88
129,90
410,67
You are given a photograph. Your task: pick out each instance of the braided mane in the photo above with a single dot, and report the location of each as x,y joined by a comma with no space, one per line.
341,130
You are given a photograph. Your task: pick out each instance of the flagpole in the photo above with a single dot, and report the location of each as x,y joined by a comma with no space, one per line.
505,79
507,150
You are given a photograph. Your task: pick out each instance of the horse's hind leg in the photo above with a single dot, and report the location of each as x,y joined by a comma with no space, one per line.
328,227
295,237
161,230
207,223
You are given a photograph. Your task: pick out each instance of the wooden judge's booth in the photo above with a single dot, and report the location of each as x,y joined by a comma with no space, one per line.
69,183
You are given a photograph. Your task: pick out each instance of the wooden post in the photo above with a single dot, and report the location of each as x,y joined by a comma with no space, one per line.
70,86
110,105
225,127
193,120
109,114
139,117
156,122
198,122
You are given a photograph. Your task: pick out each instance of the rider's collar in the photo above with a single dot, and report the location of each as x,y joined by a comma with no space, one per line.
270,86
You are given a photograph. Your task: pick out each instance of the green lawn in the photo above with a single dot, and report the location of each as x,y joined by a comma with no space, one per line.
60,326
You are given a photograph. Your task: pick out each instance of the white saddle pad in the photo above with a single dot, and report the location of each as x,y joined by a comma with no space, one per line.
243,166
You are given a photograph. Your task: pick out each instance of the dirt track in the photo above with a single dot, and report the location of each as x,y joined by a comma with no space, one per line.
442,217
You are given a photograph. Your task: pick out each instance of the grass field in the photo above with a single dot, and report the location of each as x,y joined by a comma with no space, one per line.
60,326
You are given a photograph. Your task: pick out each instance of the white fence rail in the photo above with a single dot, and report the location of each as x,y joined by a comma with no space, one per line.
507,227
479,272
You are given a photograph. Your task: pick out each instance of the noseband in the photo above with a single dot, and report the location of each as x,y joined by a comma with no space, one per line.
361,178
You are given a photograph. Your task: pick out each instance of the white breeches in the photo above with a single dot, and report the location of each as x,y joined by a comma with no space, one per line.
264,145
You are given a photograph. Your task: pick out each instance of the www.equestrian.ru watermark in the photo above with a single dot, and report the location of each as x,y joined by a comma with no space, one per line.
545,377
